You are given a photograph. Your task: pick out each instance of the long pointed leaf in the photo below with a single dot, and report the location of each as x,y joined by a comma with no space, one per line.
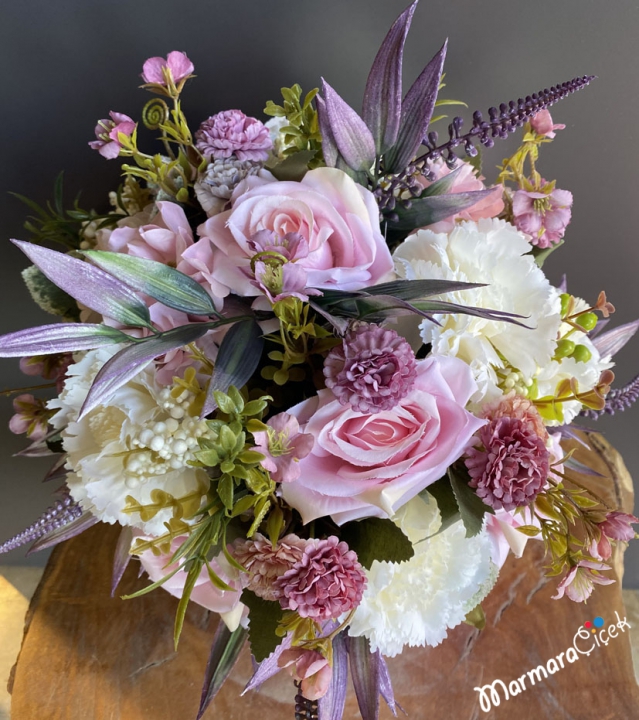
329,148
434,208
386,687
162,282
122,557
413,289
224,654
237,360
89,285
417,110
353,139
269,667
365,672
331,706
59,338
126,364
609,343
79,525
382,108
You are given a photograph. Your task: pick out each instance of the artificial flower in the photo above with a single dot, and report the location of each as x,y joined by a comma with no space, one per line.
31,417
283,446
176,64
309,668
107,132
232,133
542,124
581,579
542,214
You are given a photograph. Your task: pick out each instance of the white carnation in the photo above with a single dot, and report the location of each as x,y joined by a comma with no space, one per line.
414,603
493,252
138,441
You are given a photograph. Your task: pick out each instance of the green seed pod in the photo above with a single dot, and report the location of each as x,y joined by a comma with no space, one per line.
587,321
565,348
581,353
565,303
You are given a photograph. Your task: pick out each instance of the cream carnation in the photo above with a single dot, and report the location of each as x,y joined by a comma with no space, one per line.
414,603
495,253
138,441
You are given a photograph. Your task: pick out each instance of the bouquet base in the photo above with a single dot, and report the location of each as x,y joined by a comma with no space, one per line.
86,655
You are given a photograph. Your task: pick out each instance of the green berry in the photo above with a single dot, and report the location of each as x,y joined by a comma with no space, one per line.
587,321
581,354
565,303
565,348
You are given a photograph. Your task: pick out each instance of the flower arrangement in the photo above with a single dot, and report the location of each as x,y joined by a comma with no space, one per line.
314,370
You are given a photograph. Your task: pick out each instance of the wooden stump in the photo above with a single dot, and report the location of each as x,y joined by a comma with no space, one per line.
86,656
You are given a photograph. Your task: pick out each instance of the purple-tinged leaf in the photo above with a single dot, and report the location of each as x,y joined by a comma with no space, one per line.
382,108
340,325
329,148
444,184
365,671
573,464
57,471
59,338
225,652
267,668
386,687
40,448
121,557
331,706
417,110
563,285
573,432
434,208
447,308
599,328
237,359
89,285
74,528
161,282
127,363
353,139
414,289
612,341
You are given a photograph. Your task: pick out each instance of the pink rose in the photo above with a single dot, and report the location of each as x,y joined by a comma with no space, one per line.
466,180
335,216
164,238
366,465
204,593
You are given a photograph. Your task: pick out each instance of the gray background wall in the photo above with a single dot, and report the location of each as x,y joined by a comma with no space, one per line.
66,63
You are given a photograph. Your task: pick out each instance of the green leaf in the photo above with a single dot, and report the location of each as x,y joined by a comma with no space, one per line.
162,282
224,402
225,652
476,618
529,530
294,167
446,502
243,505
191,579
427,210
225,491
48,296
274,524
264,618
542,255
471,506
377,539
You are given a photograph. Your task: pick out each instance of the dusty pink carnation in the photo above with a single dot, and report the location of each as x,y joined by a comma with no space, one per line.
372,370
325,583
106,132
513,463
231,132
544,216
264,564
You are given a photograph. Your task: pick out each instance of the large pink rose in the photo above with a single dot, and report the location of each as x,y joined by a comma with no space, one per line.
337,218
366,465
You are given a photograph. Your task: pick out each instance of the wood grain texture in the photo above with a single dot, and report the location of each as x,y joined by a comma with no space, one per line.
86,656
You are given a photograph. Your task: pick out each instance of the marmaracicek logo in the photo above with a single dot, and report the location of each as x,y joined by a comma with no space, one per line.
594,631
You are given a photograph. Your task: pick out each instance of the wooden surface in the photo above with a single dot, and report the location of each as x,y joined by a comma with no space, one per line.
86,656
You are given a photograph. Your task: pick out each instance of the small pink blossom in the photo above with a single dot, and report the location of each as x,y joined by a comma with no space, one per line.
325,583
544,216
231,132
373,369
32,417
283,446
176,63
466,180
618,526
542,124
50,367
580,581
265,563
107,131
310,668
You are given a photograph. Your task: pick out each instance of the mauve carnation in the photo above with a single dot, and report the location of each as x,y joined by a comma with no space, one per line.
264,564
233,133
512,467
326,582
372,370
544,216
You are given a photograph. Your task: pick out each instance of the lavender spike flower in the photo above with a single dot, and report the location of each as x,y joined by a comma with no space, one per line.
617,400
63,512
502,122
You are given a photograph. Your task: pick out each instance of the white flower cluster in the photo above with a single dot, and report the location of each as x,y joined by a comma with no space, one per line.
140,440
414,603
